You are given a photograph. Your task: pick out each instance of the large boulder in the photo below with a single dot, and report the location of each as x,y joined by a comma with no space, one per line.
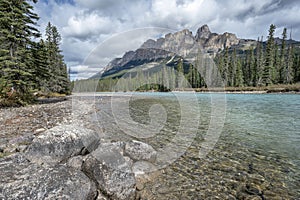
111,172
58,144
21,179
137,151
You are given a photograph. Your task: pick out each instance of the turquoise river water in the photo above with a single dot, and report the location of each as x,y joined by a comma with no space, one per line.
225,146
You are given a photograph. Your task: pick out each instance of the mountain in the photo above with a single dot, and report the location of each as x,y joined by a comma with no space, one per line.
182,43
179,44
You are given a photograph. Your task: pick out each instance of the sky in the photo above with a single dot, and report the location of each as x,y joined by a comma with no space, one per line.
96,31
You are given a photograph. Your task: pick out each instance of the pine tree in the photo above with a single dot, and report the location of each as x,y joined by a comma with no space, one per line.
225,67
17,27
232,69
276,69
282,61
179,73
260,59
268,73
288,71
239,80
40,65
59,81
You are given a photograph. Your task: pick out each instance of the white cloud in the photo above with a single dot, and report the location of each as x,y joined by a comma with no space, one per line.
82,72
86,25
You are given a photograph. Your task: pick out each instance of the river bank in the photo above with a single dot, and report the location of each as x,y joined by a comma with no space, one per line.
54,151
18,125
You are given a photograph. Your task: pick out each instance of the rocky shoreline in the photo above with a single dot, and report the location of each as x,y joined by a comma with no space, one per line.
50,151
58,151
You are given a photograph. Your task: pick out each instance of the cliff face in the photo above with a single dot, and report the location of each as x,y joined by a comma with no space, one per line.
213,42
182,43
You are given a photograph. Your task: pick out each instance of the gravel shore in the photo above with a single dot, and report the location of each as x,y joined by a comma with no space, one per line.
18,126
52,150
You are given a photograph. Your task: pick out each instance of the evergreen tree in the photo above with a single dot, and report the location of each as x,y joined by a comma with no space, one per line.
288,72
239,80
232,69
179,73
260,59
41,71
249,69
268,73
17,27
282,61
59,81
225,67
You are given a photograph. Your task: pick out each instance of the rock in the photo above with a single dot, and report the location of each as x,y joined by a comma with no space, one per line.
217,42
143,167
40,130
256,178
101,196
144,172
129,161
60,143
114,146
203,32
253,189
271,195
21,148
75,162
21,179
137,150
112,174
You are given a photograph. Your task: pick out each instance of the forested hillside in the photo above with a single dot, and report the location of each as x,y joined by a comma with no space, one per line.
28,64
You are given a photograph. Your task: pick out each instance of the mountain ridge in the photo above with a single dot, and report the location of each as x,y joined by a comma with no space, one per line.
182,43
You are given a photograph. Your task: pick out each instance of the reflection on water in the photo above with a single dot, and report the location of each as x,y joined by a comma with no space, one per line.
256,156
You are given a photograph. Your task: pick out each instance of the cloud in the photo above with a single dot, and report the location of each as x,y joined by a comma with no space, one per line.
118,44
87,27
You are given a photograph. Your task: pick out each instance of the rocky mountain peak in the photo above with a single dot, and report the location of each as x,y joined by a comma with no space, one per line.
181,43
203,32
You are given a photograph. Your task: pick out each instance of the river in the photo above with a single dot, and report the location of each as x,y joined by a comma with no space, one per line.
218,146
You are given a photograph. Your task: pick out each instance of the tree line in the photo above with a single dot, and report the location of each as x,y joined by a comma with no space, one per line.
267,64
178,75
28,64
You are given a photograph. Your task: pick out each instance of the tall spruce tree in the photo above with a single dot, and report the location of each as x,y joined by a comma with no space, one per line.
59,81
288,71
260,58
232,69
268,73
239,79
225,67
40,66
282,62
17,28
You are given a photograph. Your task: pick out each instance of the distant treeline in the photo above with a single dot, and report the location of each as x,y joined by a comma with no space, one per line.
28,65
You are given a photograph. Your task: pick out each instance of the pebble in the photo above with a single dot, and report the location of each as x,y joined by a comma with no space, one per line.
40,130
